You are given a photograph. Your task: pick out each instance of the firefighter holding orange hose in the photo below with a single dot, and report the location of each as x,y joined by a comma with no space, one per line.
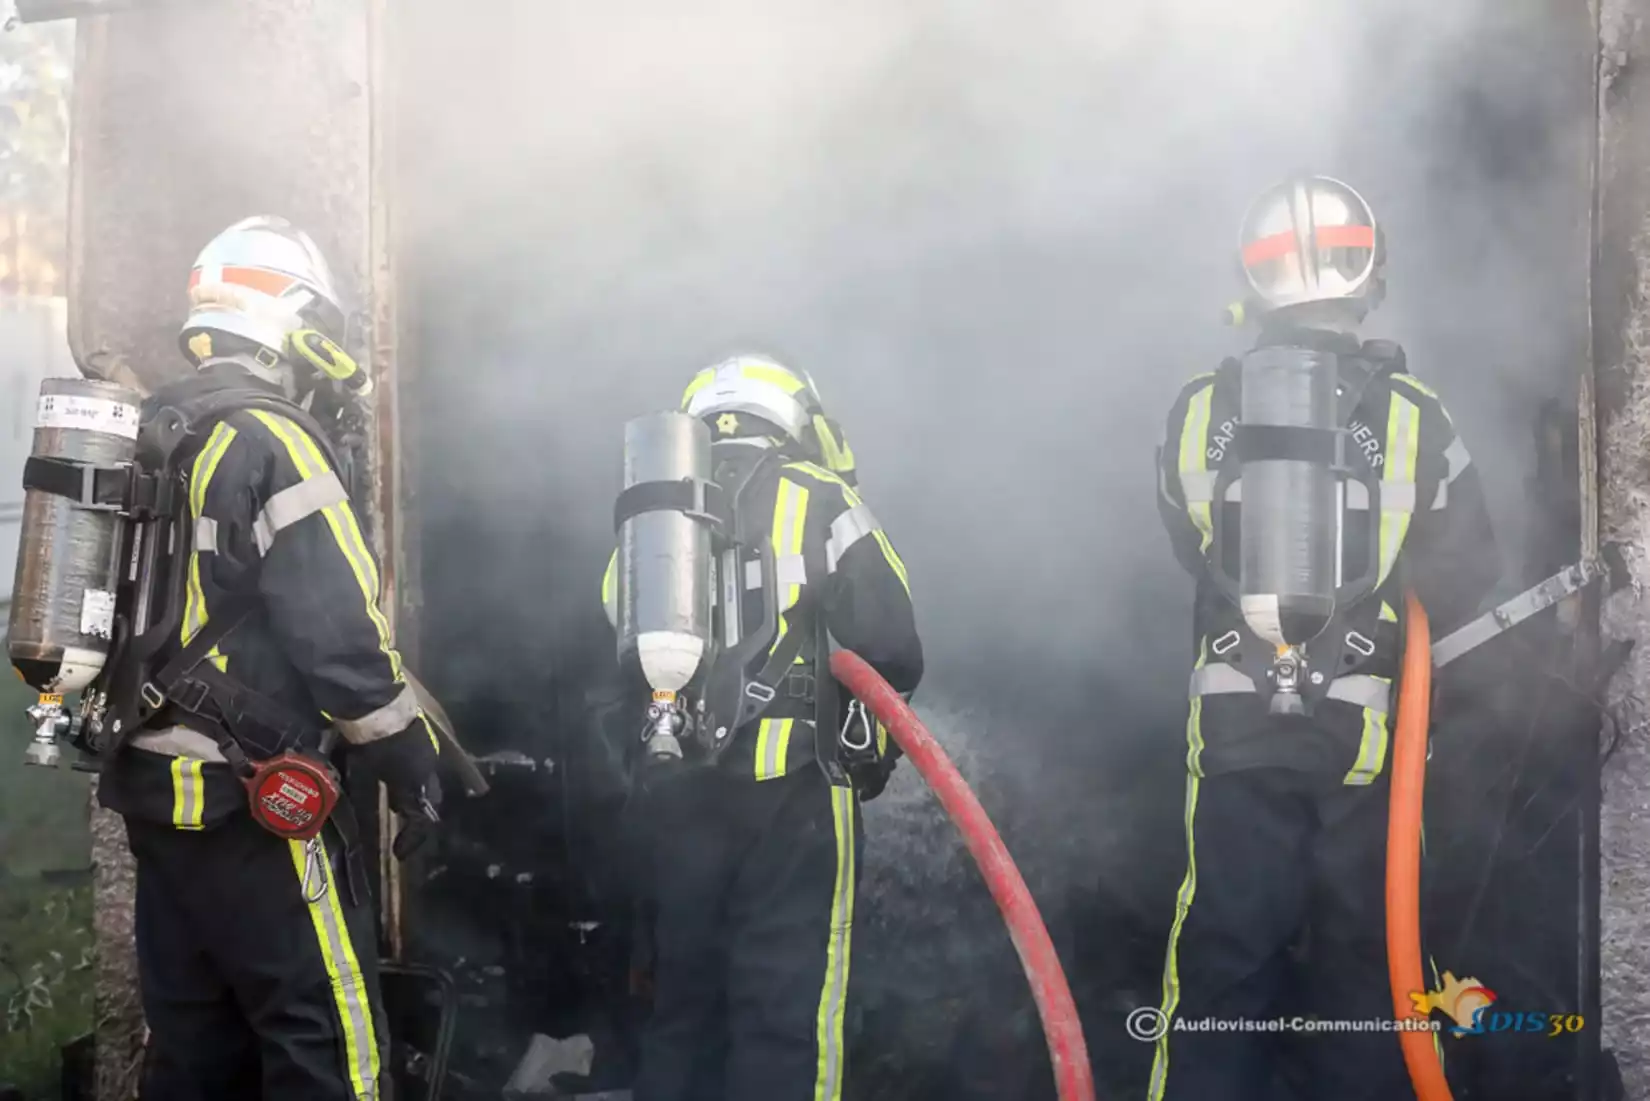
1304,485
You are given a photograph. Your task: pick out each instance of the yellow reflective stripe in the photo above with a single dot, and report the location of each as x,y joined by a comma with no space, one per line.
1371,747
838,455
834,997
773,747
610,592
1188,887
188,793
1388,613
700,381
1194,441
790,510
307,458
852,499
200,477
1403,438
349,987
1411,380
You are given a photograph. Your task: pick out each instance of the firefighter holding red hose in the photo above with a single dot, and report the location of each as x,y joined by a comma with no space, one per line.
1304,485
744,551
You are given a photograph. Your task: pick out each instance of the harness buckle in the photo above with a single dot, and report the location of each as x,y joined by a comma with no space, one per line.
1224,643
799,685
760,692
1360,644
152,697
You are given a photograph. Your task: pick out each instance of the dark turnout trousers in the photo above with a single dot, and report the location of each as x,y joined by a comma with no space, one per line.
1274,852
753,891
259,974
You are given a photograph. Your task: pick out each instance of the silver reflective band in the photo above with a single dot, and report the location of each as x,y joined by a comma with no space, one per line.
206,535
1198,486
846,530
1219,680
1459,460
293,504
178,741
789,569
1395,496
1358,689
392,718
1362,690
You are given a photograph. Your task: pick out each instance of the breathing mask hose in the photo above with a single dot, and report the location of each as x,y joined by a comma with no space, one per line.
1072,1076
1403,856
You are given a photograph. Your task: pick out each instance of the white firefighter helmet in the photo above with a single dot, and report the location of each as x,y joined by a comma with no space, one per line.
257,283
1313,239
755,386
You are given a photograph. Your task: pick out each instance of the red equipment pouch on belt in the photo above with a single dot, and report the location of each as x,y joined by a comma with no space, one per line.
292,795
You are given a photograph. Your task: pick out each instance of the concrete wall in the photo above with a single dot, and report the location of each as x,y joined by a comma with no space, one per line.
1621,311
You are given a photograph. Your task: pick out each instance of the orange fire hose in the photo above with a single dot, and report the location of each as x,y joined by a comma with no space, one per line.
1073,1078
1403,855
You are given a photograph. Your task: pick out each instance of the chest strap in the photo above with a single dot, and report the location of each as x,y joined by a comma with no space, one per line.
1358,689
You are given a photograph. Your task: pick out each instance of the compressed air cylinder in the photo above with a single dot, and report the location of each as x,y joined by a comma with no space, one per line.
1290,552
665,555
69,558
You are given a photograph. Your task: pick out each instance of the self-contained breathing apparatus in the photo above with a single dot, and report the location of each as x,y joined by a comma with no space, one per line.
1302,626
102,572
688,570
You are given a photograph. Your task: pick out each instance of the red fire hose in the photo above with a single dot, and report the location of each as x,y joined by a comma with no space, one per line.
1403,855
1072,1076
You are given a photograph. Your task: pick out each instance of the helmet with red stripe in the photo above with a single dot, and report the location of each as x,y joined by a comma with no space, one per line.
1313,239
253,286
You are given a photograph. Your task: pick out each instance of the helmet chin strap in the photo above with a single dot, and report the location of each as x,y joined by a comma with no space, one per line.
265,365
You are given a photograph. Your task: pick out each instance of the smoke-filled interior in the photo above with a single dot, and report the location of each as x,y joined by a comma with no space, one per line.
1001,238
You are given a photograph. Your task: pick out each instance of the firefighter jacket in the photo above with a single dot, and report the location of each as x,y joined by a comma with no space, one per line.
1433,535
268,515
834,562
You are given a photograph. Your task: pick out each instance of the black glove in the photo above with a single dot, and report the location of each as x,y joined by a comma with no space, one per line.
405,763
869,779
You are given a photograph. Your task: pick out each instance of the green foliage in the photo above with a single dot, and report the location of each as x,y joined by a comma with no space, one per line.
35,68
46,979
44,824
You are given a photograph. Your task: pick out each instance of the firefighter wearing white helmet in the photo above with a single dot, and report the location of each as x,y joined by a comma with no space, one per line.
742,554
1305,485
255,932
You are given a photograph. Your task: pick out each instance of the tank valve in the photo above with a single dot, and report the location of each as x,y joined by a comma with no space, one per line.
1286,673
664,722
50,723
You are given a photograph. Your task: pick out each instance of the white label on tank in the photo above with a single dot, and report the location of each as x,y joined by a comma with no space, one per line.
97,613
87,414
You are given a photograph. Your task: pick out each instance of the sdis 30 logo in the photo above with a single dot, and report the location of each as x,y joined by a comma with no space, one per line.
1470,1004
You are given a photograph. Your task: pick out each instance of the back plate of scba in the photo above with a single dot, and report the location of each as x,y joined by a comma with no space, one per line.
999,301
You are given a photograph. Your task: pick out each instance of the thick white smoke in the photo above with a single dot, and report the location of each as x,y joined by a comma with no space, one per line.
1000,236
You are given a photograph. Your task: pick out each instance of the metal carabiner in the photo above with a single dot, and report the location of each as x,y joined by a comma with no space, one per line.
314,865
860,718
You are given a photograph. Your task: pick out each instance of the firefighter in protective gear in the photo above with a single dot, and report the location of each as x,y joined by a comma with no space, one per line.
258,955
1286,812
753,858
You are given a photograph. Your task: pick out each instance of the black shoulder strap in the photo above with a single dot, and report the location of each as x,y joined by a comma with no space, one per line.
1374,362
162,686
197,414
